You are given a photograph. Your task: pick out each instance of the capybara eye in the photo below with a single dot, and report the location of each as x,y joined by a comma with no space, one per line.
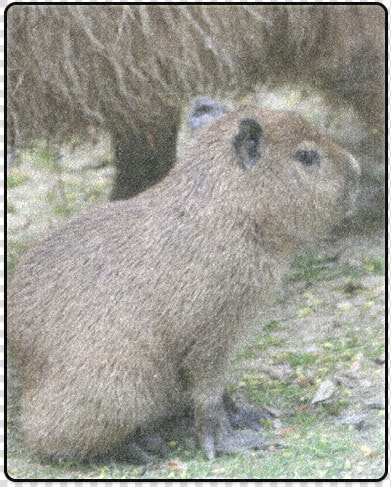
307,157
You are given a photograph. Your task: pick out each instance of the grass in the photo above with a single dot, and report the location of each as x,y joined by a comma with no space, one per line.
374,265
308,452
315,267
15,179
301,359
11,208
43,156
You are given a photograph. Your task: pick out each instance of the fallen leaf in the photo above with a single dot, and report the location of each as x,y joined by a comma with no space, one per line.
373,454
285,431
176,465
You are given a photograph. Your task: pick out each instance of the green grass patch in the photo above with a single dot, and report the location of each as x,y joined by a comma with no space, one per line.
11,208
348,347
43,156
266,391
261,342
64,210
63,200
301,359
375,265
16,178
96,193
266,342
314,267
311,268
272,326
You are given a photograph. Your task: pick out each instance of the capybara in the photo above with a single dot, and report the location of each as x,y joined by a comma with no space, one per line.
130,313
130,69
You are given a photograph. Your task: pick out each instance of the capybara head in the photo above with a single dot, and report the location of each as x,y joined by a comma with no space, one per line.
275,168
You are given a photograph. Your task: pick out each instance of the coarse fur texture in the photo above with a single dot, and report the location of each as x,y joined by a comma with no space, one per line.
130,68
131,312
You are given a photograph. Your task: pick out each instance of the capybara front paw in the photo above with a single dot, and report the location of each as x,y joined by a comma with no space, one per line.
241,416
217,435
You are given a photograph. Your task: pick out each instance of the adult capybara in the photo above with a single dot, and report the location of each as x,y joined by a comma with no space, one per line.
130,68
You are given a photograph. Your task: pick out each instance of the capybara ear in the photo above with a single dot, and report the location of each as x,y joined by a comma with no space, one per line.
203,111
247,143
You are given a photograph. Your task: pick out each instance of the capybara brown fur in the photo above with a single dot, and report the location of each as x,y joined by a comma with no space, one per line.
130,313
130,68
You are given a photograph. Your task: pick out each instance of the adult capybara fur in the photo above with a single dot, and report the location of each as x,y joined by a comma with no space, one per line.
130,313
130,68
